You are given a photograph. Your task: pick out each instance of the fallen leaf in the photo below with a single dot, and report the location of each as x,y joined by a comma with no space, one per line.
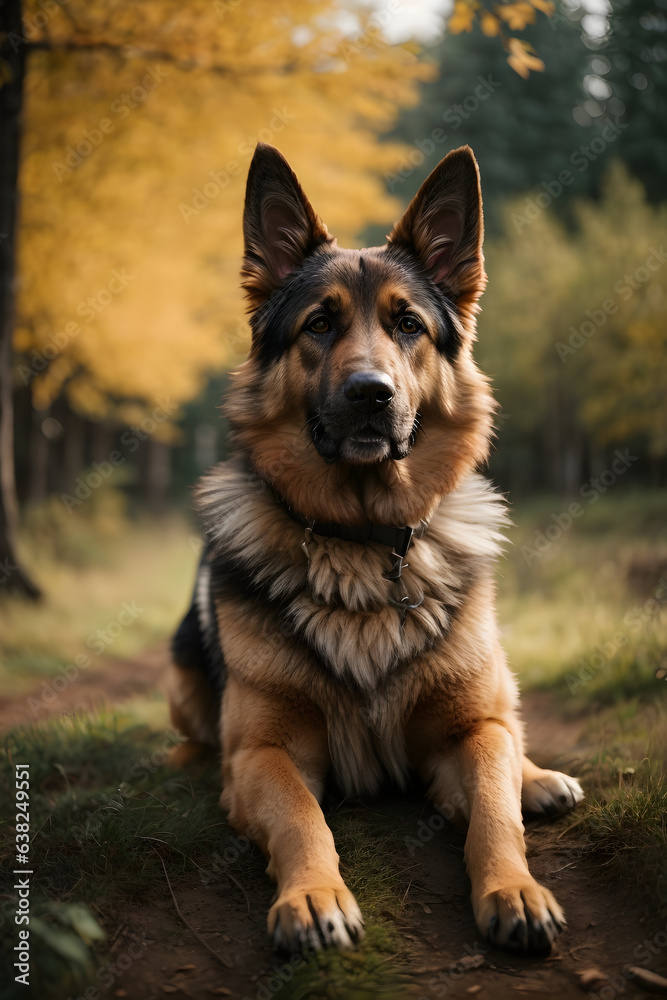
591,976
468,962
185,968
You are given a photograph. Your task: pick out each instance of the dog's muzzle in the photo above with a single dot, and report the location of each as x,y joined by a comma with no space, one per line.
364,421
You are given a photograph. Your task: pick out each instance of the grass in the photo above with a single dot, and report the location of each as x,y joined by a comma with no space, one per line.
626,830
90,564
105,813
587,617
373,867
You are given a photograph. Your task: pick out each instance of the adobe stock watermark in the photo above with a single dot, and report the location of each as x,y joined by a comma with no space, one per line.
238,338
121,108
32,24
645,952
445,812
225,7
472,957
220,179
624,289
348,48
98,641
235,846
112,970
581,159
89,308
591,491
454,808
282,974
140,771
453,116
86,484
7,567
635,620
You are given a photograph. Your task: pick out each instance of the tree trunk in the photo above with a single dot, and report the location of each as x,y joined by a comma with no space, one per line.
75,443
158,473
38,482
12,60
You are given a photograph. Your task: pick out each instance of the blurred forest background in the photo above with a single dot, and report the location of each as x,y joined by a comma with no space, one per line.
139,121
126,131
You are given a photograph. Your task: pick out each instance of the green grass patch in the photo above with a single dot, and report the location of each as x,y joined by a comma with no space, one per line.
626,830
104,811
586,612
622,824
91,564
609,675
372,864
586,618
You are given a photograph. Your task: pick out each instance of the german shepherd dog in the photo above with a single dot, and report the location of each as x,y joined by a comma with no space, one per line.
313,648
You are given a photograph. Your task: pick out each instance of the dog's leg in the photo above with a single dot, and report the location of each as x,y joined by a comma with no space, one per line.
275,757
548,792
483,771
194,712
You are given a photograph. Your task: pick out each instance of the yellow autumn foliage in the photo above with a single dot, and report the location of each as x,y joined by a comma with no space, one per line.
516,15
522,58
489,24
141,120
463,17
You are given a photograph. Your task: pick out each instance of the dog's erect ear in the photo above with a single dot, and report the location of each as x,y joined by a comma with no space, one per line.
280,227
444,227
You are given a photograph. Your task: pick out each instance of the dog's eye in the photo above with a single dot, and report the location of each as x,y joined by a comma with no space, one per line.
320,325
410,326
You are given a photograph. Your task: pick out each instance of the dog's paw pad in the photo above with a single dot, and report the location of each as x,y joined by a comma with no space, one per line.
551,793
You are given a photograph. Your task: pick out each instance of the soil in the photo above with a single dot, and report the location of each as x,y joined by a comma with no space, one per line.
111,682
443,955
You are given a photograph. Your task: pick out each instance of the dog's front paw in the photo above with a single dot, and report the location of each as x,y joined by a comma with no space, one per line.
551,793
313,918
524,918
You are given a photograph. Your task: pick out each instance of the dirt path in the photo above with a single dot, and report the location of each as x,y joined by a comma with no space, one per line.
443,953
445,956
111,682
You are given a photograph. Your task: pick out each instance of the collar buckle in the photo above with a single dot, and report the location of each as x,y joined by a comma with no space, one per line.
307,539
394,573
403,606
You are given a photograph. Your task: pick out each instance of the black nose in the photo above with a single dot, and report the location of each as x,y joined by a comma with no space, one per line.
369,392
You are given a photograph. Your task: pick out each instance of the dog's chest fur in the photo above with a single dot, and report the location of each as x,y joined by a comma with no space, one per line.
345,614
333,598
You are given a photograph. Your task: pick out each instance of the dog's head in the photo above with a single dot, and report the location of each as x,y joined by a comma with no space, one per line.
360,398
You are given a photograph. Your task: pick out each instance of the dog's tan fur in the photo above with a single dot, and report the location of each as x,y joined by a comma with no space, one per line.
322,675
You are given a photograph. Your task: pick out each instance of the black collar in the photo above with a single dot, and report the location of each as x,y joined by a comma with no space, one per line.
396,538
